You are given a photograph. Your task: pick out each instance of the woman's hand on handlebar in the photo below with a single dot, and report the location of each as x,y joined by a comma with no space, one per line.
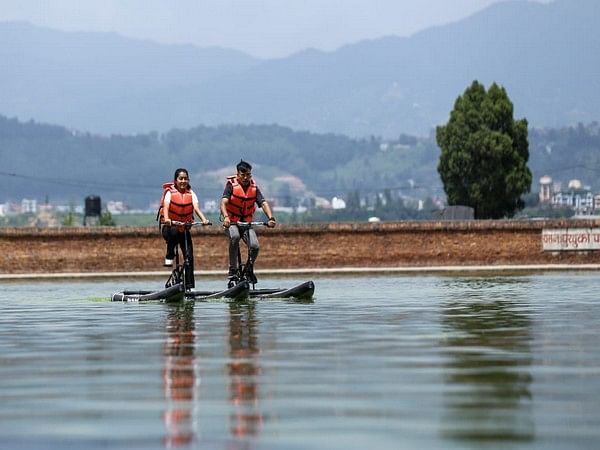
190,224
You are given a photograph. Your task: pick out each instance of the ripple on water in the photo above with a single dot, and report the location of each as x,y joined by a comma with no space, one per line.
387,362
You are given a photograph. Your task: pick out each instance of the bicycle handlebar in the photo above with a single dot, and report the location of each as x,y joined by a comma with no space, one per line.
246,224
189,224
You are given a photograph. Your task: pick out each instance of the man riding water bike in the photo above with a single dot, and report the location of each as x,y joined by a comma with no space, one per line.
238,204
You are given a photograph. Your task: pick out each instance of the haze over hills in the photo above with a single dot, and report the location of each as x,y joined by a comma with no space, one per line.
87,81
545,55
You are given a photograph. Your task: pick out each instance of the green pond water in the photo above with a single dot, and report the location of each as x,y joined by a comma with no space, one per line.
381,362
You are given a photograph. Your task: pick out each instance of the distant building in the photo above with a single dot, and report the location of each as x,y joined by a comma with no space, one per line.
28,206
576,196
338,203
116,207
546,189
323,203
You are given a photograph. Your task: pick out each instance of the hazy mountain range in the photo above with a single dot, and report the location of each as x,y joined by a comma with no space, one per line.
547,56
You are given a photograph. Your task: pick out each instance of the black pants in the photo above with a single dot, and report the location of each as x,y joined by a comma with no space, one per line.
173,238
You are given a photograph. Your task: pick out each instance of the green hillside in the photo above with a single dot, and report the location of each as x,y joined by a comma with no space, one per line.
42,161
52,163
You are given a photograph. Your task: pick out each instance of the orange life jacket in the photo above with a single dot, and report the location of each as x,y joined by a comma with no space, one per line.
242,204
181,207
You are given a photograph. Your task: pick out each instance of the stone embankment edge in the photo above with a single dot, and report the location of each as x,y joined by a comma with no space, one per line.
439,225
394,247
520,268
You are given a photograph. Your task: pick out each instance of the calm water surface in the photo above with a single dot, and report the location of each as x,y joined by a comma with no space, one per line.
373,363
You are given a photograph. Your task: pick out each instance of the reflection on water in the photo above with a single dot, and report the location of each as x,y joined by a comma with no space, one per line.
181,379
489,357
244,370
432,362
179,375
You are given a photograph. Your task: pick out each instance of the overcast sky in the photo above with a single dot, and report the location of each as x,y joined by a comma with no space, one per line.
262,28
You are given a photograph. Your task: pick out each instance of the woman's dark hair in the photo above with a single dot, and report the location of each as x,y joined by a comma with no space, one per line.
178,171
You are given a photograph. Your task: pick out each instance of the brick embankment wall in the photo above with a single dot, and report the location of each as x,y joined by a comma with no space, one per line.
401,244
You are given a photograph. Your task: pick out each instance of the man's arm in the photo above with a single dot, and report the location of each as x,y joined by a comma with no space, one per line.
262,203
224,200
224,213
267,209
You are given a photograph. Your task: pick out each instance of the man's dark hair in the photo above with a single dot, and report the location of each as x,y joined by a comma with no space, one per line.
243,166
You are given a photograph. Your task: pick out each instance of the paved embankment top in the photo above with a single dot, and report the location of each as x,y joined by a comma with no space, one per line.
409,225
336,271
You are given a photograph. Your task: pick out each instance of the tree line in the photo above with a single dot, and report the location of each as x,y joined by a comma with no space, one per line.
43,161
51,162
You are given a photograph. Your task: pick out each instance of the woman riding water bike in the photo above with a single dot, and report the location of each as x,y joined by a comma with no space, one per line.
179,204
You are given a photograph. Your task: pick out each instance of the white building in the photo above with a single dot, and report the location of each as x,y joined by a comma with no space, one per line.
546,189
116,207
338,203
28,206
576,196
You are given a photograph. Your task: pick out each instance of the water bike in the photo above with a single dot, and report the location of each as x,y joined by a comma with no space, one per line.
175,288
245,275
177,285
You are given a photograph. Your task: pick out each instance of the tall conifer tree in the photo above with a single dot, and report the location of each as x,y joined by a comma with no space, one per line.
484,153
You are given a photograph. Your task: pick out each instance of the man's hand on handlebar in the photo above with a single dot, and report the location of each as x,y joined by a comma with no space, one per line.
270,223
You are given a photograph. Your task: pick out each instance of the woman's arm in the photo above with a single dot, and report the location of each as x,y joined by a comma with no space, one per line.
166,204
197,209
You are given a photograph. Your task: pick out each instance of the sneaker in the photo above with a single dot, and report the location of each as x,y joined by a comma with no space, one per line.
232,280
168,262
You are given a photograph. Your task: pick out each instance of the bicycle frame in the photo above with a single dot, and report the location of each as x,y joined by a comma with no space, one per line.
181,272
245,271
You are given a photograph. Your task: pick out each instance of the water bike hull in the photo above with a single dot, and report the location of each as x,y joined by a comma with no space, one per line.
241,291
302,291
177,293
171,294
238,292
